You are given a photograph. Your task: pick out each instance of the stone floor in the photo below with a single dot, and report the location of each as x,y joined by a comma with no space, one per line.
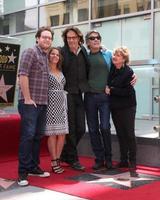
9,190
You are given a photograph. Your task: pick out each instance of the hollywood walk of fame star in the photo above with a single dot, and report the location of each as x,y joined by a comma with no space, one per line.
4,88
6,183
11,58
123,180
117,179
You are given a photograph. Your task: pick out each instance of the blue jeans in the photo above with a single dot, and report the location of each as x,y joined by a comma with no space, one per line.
32,130
98,120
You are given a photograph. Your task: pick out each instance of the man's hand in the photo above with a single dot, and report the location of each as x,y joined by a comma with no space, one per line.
107,90
30,102
134,79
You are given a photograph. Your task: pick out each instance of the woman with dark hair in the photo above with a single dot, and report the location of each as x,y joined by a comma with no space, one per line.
56,120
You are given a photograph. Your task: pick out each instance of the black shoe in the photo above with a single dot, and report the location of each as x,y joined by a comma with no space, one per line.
133,173
38,172
132,166
65,160
122,165
22,180
132,169
77,166
109,165
98,165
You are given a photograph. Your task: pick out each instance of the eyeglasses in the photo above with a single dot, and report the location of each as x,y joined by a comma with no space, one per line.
46,37
72,38
94,37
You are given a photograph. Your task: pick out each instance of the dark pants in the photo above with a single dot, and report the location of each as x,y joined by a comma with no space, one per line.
124,121
76,121
98,120
32,130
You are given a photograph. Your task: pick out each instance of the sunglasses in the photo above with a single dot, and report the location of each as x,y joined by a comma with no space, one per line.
93,38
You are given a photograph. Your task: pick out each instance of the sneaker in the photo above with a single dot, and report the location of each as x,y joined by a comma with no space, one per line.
22,180
38,172
77,166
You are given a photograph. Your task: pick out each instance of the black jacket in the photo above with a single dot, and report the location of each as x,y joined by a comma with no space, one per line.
122,93
75,69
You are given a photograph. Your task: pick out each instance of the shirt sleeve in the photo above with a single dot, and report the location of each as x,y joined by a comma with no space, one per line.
126,89
107,54
26,62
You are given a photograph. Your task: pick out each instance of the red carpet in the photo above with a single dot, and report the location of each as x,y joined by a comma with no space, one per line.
81,184
9,137
64,182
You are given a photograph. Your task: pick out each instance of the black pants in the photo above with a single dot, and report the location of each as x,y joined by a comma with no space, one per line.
124,122
76,120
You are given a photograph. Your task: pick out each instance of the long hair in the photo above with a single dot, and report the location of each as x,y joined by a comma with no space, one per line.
59,64
77,32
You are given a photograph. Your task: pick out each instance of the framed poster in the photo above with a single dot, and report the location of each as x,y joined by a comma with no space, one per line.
9,57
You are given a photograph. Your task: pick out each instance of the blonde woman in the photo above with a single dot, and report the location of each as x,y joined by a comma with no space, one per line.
56,121
123,106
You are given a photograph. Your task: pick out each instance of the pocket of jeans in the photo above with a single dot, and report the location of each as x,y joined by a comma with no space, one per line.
29,111
29,106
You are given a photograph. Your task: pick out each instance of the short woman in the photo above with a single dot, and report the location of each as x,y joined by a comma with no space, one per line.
123,106
56,120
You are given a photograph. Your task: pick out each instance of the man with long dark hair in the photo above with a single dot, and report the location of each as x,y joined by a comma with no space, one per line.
75,67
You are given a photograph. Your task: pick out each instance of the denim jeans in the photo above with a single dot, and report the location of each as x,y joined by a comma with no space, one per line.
98,120
32,130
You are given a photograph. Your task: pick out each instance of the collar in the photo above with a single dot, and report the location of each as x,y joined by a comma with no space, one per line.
40,49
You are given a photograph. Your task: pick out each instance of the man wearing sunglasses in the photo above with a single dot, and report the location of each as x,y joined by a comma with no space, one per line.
96,101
